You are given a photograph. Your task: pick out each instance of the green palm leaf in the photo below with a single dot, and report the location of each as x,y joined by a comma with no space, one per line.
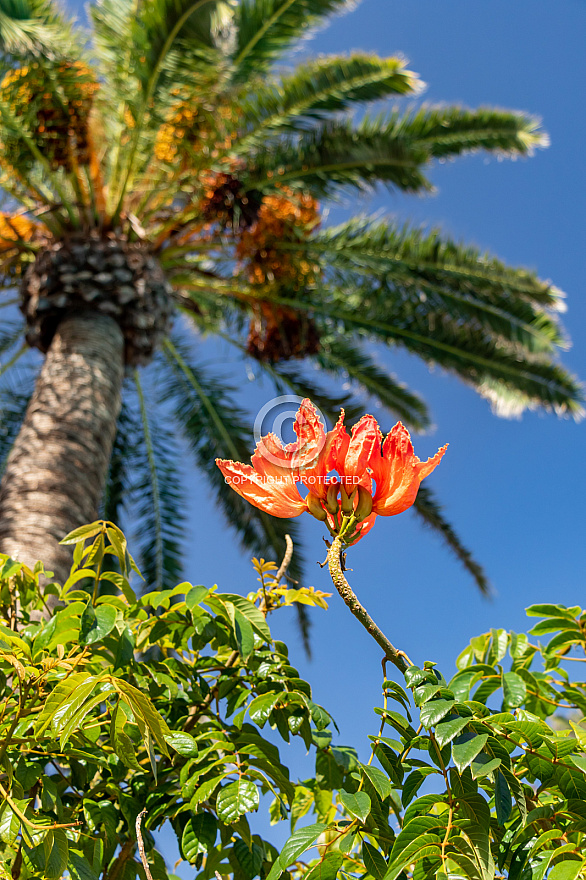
266,28
340,155
118,489
452,131
464,350
324,86
383,247
32,27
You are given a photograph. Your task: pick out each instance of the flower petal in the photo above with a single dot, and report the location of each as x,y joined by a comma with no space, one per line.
333,450
364,444
274,493
311,436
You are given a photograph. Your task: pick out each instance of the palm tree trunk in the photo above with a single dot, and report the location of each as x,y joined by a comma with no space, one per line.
55,473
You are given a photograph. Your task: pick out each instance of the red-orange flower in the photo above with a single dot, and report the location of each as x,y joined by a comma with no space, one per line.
374,477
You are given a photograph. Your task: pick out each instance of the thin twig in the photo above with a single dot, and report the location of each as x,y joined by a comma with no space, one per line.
359,611
286,559
140,842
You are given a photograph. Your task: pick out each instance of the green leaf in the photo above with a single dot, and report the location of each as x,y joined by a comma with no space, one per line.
250,858
434,711
250,611
412,849
183,743
122,583
579,761
446,730
546,610
566,870
514,690
262,706
143,710
502,798
483,764
56,853
466,748
378,779
96,623
80,867
414,782
195,596
125,749
236,799
83,532
9,824
327,868
554,624
205,790
66,697
244,635
199,835
299,841
374,861
358,805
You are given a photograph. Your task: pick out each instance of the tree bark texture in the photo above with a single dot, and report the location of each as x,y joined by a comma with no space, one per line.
55,473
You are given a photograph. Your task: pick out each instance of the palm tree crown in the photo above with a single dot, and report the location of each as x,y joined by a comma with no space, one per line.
166,166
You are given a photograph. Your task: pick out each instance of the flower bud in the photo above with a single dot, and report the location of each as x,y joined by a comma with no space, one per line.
315,508
332,498
347,501
364,506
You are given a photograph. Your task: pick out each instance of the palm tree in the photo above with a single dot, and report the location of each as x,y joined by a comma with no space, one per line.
166,167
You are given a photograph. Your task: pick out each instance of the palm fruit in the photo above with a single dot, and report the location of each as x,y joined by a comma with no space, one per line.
102,273
279,333
16,232
194,126
227,203
15,228
53,104
286,216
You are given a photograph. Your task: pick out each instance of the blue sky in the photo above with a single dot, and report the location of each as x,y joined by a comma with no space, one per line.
514,489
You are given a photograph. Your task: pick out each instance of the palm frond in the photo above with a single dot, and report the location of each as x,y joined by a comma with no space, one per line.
323,86
159,501
161,25
265,29
338,155
431,512
339,357
461,349
381,246
33,27
426,274
452,130
215,427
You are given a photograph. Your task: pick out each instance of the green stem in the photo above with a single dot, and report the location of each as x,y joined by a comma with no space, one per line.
345,590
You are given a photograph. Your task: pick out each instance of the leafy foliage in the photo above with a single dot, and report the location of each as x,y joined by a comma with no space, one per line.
115,705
